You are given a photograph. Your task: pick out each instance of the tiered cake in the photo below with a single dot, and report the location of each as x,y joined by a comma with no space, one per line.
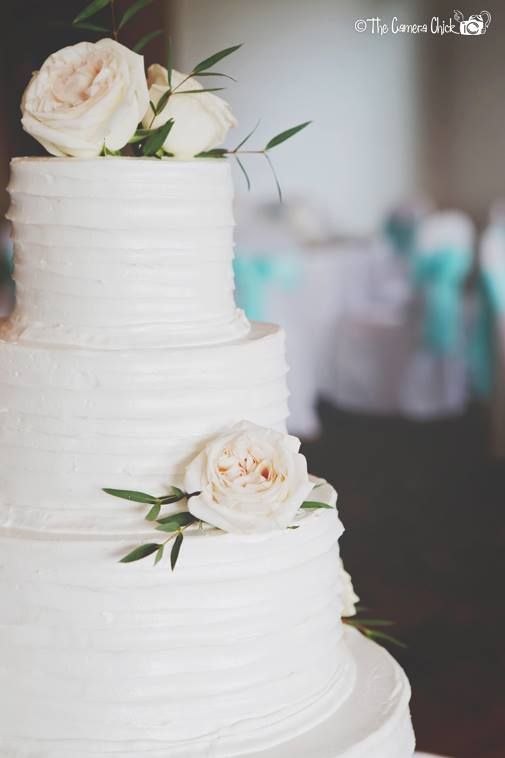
125,354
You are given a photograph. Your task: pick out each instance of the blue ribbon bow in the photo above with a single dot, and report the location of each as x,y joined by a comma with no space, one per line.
254,274
441,274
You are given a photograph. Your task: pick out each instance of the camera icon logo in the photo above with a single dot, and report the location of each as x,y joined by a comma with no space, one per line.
474,25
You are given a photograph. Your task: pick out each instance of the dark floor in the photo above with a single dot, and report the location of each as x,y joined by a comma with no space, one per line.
424,508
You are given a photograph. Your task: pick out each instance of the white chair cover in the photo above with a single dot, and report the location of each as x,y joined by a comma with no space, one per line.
436,378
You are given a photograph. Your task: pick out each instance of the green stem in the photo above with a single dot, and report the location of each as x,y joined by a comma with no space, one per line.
183,81
174,534
247,152
115,33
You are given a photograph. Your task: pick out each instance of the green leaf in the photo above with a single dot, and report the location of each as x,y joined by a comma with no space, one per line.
354,621
141,552
162,102
274,174
154,512
92,27
283,136
247,138
176,492
170,526
90,10
159,554
198,91
132,11
215,73
213,59
176,495
374,634
170,64
106,152
176,549
136,497
146,39
139,136
157,138
313,504
217,152
179,519
244,171
295,526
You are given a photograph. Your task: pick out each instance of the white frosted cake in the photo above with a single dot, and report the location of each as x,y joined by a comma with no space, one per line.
125,355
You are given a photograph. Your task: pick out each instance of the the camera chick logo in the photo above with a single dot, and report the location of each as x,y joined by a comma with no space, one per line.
477,23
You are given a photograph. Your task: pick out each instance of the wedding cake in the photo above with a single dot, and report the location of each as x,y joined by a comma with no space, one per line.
126,363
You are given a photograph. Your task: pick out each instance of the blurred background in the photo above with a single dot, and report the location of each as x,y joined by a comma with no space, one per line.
386,266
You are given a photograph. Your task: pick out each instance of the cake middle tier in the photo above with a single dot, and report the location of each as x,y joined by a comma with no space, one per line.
73,421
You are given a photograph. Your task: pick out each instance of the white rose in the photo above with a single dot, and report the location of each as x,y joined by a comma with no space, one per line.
84,97
251,479
201,120
347,595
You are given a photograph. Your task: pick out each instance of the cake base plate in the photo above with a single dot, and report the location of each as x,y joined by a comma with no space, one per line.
374,722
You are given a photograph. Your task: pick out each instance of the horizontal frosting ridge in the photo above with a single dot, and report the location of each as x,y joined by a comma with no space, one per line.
123,253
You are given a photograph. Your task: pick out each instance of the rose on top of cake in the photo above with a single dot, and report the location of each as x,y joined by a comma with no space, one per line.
94,99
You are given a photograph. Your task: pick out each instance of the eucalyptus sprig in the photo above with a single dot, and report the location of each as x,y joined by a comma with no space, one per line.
116,23
372,628
237,151
173,524
149,142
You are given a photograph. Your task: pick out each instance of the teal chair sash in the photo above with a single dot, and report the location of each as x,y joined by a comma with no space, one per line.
482,348
401,234
256,273
441,274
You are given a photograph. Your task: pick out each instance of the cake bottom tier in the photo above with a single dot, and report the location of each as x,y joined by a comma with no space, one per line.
239,649
374,721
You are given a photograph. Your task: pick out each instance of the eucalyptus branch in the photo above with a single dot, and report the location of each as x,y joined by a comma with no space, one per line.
274,142
117,22
174,524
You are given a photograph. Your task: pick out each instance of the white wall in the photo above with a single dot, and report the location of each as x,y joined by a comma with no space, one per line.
304,60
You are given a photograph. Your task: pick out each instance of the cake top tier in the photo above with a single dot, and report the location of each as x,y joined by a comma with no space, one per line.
164,191
123,252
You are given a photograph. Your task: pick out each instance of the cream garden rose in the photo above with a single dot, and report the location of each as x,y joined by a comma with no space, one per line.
85,97
201,120
250,479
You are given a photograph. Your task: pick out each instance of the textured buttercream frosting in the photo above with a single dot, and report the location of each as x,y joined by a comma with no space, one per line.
125,354
123,252
238,649
75,420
